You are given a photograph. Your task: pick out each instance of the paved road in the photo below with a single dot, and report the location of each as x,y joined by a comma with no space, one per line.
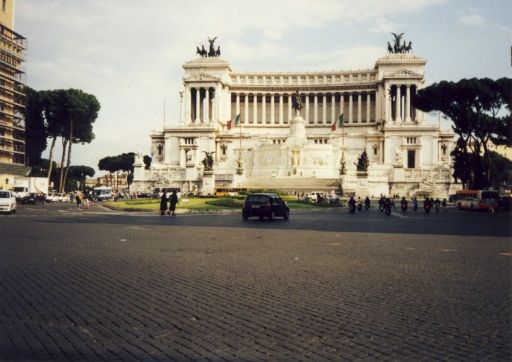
100,285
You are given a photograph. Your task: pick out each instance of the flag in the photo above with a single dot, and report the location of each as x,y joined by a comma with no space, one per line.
236,123
340,123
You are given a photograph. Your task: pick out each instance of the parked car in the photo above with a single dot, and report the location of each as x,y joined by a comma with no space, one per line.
7,202
33,199
265,205
52,197
63,197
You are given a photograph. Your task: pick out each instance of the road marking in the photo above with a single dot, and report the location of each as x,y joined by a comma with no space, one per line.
400,215
506,254
445,250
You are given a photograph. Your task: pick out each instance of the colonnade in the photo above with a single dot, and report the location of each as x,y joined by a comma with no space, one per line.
398,103
200,104
318,108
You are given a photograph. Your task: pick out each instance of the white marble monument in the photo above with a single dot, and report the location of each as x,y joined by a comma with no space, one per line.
275,147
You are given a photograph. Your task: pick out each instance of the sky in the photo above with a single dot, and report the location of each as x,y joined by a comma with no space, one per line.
129,53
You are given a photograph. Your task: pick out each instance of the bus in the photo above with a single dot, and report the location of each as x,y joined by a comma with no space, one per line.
231,191
477,199
102,193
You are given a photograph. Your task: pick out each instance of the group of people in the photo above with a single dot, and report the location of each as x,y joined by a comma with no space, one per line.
352,204
172,199
388,203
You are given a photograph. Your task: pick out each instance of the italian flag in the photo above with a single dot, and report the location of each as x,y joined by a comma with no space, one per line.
235,123
340,120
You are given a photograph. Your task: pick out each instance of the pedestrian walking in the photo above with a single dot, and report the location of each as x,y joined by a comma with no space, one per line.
173,200
163,203
86,201
444,205
78,201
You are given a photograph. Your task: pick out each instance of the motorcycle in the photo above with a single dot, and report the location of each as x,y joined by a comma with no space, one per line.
359,206
427,208
403,206
387,209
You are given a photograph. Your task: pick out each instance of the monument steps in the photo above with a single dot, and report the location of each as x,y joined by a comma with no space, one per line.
291,183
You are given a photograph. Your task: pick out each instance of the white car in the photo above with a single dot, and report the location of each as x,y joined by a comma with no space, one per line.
7,202
52,198
63,197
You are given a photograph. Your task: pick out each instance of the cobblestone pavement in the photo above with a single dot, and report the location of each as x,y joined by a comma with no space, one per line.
95,285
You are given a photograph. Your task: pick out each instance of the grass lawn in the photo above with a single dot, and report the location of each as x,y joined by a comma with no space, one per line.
206,204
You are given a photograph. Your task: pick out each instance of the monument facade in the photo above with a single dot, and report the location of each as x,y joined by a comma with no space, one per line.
301,131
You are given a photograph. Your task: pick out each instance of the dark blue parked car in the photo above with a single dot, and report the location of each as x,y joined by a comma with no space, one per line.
265,205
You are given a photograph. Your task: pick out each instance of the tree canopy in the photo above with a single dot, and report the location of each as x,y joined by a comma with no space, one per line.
123,162
67,114
35,130
480,110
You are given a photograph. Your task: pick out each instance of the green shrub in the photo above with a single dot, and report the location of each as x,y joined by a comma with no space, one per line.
226,202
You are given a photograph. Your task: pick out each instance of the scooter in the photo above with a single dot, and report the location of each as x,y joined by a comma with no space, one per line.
359,206
387,209
403,207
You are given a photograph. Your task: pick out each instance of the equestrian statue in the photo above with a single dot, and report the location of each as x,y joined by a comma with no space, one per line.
212,52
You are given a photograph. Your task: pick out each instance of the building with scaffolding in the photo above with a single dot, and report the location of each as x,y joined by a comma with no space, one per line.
12,97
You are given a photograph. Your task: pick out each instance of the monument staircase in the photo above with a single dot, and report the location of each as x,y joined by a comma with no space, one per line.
292,184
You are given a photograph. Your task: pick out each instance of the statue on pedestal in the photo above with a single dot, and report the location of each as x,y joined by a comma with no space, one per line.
297,102
212,52
399,46
208,161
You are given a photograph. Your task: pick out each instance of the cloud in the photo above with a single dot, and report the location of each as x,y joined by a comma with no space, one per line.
385,26
471,20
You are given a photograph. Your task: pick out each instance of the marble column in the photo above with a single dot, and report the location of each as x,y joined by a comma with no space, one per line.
324,108
387,100
398,105
359,107
246,108
206,113
342,106
198,96
306,109
188,105
333,108
272,109
281,97
368,109
263,108
408,103
315,109
350,108
255,108
290,106
237,106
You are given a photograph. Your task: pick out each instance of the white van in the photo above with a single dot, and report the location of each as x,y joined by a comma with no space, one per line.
102,193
